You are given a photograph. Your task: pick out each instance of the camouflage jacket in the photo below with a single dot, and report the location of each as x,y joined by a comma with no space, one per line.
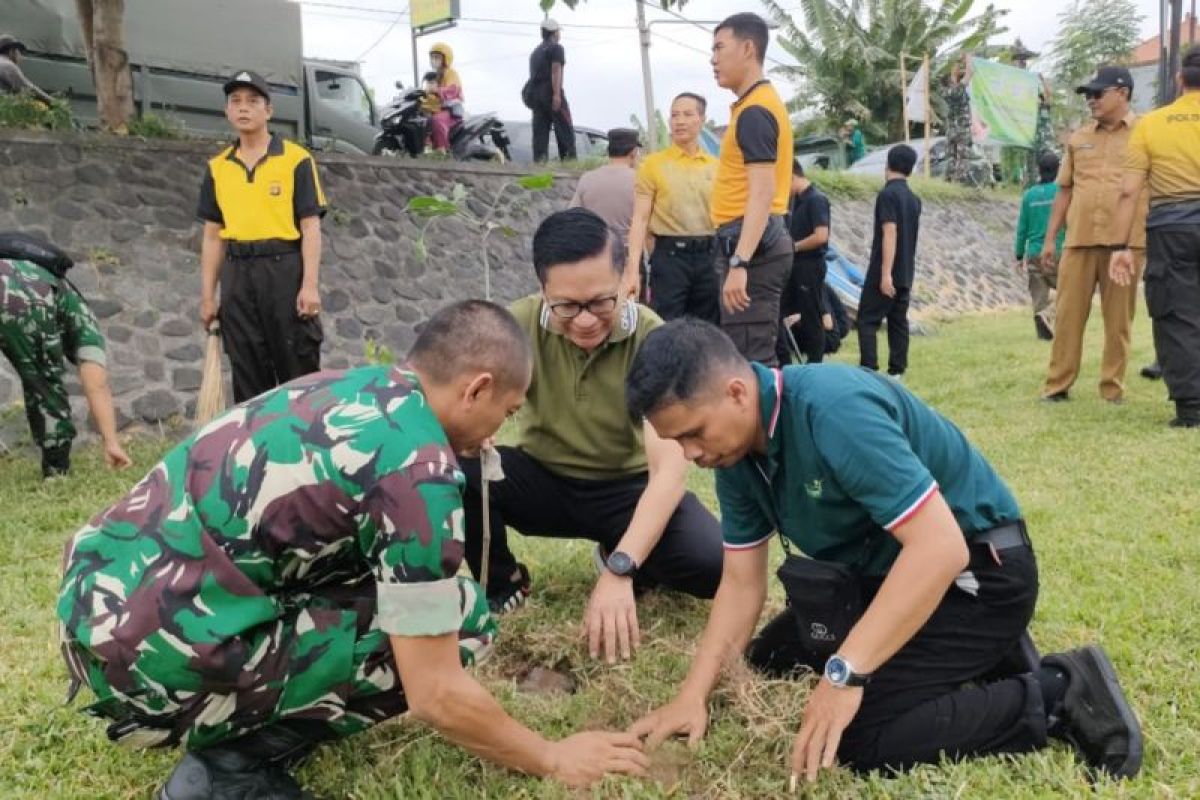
958,111
329,480
38,306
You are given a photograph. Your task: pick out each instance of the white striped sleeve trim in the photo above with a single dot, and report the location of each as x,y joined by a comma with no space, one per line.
904,515
747,545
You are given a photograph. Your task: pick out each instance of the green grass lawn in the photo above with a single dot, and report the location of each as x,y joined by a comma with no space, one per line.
1110,494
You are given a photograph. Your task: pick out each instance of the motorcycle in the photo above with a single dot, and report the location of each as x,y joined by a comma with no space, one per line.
404,128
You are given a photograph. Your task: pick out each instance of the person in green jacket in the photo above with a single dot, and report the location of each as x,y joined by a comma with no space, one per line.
852,140
1031,233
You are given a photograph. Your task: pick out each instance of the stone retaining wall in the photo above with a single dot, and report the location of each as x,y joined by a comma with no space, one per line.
125,208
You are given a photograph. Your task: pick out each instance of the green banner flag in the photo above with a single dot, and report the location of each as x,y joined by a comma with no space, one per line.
1004,104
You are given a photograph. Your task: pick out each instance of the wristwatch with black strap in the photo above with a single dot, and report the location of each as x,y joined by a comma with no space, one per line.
621,564
737,262
841,673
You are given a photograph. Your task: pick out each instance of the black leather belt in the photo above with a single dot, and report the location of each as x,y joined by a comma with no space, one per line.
1004,537
259,249
685,244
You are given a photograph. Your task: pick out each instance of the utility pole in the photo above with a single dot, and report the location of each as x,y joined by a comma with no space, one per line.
647,83
1173,57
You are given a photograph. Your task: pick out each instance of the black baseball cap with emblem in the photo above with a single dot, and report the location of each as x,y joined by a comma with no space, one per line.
1107,77
248,80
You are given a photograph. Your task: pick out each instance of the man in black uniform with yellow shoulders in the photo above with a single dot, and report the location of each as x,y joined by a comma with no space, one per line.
261,203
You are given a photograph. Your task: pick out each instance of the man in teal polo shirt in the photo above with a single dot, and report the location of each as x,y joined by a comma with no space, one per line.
861,476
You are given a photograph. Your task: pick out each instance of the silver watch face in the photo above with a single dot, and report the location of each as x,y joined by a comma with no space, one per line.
837,671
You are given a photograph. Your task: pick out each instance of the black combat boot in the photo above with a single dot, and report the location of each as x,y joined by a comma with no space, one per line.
252,767
1187,414
56,460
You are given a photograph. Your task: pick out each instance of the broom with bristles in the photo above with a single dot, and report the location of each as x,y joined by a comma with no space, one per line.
212,385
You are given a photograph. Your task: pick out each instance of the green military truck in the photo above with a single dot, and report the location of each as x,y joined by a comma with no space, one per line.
180,53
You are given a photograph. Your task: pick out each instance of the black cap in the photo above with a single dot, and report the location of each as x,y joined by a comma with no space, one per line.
622,141
1107,77
10,42
249,80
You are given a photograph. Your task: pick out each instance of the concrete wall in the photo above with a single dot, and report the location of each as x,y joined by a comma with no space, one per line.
125,210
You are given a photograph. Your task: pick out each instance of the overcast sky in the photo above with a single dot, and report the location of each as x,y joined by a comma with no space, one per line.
603,77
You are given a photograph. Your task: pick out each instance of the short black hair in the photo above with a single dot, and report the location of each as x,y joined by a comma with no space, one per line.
472,336
901,159
797,168
693,96
1189,68
747,25
675,363
1048,164
568,237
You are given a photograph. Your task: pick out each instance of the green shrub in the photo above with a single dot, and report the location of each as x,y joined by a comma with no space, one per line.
24,111
157,126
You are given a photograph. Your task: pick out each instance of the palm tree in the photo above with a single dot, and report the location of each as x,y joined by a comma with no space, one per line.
849,53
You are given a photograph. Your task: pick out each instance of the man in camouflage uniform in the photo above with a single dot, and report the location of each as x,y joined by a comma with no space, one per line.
288,575
958,124
44,321
1043,138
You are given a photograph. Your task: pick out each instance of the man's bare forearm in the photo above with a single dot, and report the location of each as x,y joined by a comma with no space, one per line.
888,258
638,227
212,253
94,379
735,612
310,251
818,238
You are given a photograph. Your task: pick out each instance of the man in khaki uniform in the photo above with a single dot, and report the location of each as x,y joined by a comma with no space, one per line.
1089,185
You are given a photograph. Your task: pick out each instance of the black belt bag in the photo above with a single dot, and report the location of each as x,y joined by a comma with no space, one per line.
729,233
825,599
263,248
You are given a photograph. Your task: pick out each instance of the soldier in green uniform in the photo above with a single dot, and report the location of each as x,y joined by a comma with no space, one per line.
958,123
44,321
289,574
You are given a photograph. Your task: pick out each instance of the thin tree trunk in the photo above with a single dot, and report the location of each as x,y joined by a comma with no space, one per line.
102,23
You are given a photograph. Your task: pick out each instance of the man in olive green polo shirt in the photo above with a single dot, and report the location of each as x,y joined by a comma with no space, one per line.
912,533
579,467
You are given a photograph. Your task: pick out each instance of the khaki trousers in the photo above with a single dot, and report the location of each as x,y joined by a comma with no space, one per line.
1080,271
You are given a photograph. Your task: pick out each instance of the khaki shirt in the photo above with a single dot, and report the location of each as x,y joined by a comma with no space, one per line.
608,192
574,420
1093,168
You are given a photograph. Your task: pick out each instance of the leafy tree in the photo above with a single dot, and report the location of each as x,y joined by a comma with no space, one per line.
1090,33
848,53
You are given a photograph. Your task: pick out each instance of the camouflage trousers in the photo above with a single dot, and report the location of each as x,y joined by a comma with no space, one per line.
325,660
38,359
958,157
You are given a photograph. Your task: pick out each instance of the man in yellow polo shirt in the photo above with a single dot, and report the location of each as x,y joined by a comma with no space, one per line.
671,204
1165,151
579,467
752,188
261,203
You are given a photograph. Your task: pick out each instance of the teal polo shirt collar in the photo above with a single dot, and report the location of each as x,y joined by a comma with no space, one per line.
770,406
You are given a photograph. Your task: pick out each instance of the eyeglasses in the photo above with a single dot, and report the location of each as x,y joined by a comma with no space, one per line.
1096,94
598,307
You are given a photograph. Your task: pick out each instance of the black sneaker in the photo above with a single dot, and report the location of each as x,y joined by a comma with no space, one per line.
1094,715
223,773
513,594
1057,397
1185,422
1152,372
1043,330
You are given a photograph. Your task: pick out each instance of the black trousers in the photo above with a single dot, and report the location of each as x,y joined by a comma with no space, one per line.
1173,299
873,308
755,331
683,279
266,340
538,502
804,294
959,687
564,132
